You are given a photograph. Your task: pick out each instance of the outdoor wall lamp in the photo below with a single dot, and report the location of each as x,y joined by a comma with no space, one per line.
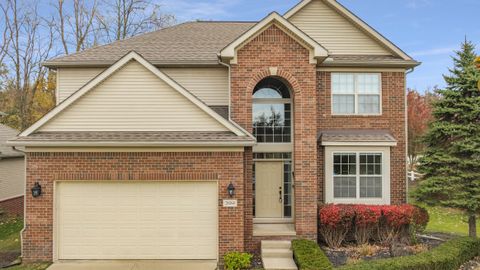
231,190
36,190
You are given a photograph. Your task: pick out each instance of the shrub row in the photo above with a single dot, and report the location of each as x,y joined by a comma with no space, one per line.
448,256
309,256
381,224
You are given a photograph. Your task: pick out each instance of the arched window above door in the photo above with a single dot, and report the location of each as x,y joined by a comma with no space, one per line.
272,111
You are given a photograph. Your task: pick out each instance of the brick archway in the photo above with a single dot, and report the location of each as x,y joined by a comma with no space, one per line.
274,72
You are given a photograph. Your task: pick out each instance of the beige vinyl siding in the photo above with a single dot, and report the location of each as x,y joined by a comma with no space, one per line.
133,99
12,178
208,84
71,79
334,32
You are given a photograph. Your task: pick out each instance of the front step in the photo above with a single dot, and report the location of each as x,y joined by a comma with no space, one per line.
277,255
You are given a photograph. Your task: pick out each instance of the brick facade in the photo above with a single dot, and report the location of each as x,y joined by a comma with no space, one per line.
47,168
12,207
391,119
273,48
271,53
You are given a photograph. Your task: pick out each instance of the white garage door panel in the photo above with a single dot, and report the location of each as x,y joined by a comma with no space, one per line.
137,220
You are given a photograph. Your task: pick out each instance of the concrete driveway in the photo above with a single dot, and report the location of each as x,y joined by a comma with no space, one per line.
135,265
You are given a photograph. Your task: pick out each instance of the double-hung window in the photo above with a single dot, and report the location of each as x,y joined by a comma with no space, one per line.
358,176
356,93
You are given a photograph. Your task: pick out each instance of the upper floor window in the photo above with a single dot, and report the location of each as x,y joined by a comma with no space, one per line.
356,93
271,112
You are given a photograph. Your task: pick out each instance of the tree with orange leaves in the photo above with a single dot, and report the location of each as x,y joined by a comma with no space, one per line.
419,115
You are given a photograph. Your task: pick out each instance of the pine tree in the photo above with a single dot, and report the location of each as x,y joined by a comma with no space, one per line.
451,162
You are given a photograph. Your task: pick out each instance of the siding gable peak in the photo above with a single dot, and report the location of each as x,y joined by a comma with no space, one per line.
339,29
206,119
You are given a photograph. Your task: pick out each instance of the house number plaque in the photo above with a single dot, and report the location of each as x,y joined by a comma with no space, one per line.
229,203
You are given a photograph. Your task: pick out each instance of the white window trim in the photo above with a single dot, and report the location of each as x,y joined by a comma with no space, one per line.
356,94
331,150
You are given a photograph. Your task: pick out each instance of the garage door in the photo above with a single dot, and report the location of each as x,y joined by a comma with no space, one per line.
136,220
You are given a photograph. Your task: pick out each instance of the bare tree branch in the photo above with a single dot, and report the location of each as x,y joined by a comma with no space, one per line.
75,28
128,18
31,42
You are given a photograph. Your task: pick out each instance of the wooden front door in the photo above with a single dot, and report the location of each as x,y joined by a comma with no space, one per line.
268,189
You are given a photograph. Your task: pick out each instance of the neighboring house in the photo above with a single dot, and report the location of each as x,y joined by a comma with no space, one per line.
12,175
150,135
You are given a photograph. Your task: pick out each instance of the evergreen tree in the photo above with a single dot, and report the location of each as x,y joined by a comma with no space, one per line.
451,162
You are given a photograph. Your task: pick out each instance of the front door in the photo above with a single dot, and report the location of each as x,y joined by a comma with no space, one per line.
268,189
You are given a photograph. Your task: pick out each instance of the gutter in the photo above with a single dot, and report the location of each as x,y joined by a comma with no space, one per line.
130,144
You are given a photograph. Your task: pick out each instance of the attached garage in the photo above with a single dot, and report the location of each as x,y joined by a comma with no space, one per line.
136,220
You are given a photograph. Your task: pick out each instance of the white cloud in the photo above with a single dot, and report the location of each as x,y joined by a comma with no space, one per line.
434,51
414,4
186,10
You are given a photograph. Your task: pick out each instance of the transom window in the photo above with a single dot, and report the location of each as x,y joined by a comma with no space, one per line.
356,93
271,112
357,175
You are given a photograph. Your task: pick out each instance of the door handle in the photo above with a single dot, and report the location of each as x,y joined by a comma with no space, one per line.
280,199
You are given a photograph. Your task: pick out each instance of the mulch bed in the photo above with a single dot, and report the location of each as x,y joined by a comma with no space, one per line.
7,258
353,253
471,265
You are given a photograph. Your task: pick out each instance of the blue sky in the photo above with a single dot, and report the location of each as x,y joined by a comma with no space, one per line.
428,30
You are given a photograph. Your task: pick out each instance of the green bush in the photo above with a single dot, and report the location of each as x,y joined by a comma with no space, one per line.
237,260
309,256
448,256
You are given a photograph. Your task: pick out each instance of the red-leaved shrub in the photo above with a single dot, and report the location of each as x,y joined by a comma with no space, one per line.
380,223
394,224
366,219
335,223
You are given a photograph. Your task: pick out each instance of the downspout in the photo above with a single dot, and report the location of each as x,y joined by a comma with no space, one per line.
24,202
229,83
408,71
230,96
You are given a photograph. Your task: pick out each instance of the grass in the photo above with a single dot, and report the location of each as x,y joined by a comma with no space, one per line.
10,234
447,220
10,241
33,266
443,219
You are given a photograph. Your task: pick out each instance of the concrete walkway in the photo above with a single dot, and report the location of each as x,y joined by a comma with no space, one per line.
135,265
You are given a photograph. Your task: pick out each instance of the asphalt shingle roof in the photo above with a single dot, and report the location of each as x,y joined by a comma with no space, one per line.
187,43
137,136
356,136
193,43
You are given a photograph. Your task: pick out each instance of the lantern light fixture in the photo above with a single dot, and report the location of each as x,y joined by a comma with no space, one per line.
36,190
231,190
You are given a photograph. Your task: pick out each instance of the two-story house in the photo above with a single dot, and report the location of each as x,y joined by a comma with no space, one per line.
208,137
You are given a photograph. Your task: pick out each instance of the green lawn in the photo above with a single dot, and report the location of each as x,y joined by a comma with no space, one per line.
34,266
10,234
10,241
447,220
442,219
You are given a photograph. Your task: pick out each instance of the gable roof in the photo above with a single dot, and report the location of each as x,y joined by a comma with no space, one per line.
6,151
342,10
199,43
191,43
318,52
235,129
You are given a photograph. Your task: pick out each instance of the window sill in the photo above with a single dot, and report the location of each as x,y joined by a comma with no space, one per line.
355,115
373,201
